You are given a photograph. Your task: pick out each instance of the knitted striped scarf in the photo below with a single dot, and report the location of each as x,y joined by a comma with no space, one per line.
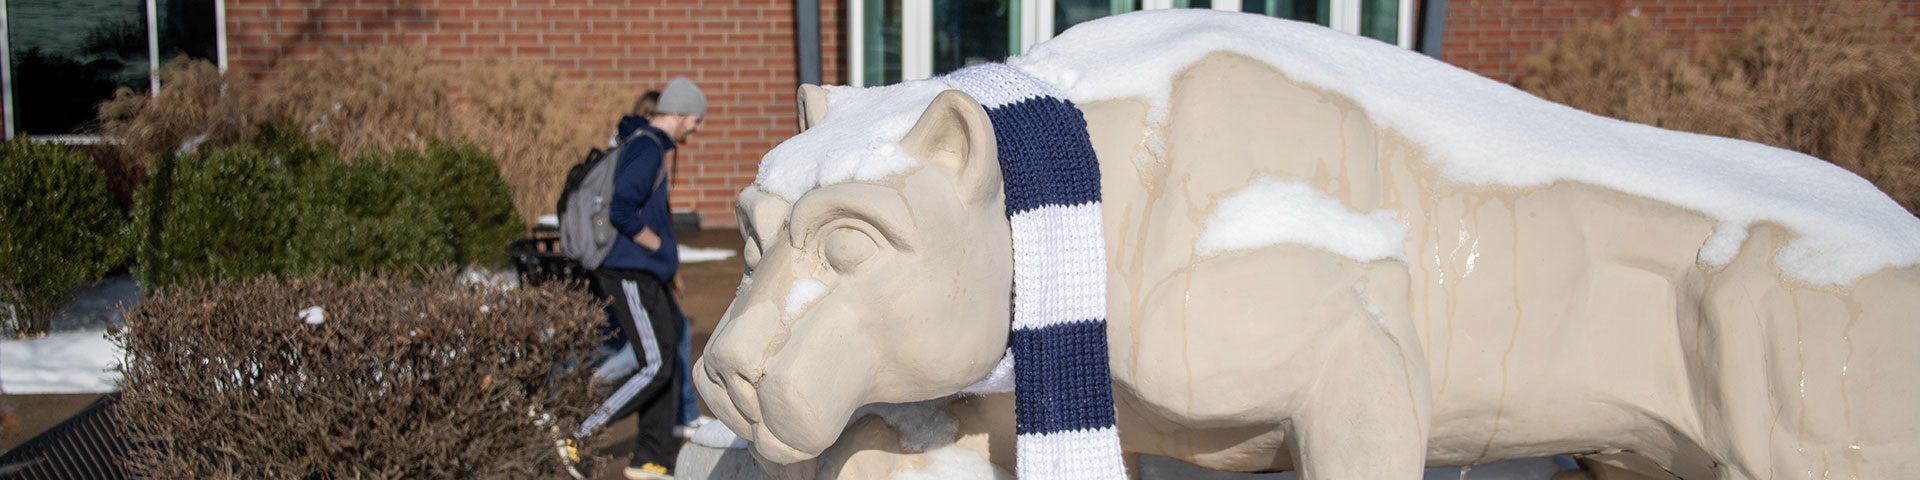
1063,397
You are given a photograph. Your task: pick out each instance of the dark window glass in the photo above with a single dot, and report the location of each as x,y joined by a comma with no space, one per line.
1380,19
882,49
69,55
187,28
1067,13
966,32
1302,10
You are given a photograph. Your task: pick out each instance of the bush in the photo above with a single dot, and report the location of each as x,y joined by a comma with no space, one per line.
366,216
281,205
227,214
61,228
537,125
464,187
382,98
533,123
1836,85
423,378
197,105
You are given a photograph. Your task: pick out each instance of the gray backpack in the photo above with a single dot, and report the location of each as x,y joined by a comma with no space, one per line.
586,233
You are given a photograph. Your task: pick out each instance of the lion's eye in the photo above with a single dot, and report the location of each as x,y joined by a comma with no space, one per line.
750,252
845,248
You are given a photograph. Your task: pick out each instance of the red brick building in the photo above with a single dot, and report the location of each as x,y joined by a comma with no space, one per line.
745,53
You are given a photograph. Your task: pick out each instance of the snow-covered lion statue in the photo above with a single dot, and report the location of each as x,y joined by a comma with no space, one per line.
1325,254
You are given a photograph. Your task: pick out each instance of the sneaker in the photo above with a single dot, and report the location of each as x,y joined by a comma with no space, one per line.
648,471
570,454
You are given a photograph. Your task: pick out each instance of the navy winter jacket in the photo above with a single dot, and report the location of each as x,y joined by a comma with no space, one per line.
637,205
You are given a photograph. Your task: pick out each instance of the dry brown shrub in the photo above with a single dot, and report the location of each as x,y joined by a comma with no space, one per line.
197,105
536,124
1602,67
401,378
1838,84
527,116
383,98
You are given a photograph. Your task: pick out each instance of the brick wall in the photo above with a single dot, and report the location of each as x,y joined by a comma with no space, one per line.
1490,37
741,52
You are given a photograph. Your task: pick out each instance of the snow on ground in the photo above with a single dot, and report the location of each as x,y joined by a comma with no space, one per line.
69,362
698,254
1272,211
1483,132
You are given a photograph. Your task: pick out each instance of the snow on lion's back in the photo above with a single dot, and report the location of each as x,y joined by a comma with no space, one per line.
1477,131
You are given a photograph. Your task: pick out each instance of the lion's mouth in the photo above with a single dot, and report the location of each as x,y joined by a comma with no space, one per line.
771,447
742,412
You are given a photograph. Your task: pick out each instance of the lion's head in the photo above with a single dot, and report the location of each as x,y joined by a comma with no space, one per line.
879,268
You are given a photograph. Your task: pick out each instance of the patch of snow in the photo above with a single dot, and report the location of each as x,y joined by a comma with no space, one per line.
1156,467
953,462
1482,132
1360,290
717,435
1272,211
698,254
859,139
801,295
74,362
1000,380
313,315
923,426
504,279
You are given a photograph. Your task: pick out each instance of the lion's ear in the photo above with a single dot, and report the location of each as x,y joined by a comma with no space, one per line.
955,134
813,105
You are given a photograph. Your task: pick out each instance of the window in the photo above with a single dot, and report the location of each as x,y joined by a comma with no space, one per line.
63,57
911,39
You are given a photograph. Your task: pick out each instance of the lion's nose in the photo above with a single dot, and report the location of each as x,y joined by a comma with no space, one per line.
741,347
735,359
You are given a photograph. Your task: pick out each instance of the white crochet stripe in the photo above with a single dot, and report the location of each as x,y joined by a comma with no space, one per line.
1059,266
999,86
1070,454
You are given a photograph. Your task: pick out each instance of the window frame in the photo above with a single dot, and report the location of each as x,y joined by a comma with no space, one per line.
153,69
1036,25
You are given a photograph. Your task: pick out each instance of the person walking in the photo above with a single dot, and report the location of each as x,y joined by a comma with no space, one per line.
639,269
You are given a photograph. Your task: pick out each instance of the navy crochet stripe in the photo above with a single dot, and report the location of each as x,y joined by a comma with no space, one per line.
1063,393
1078,350
1054,166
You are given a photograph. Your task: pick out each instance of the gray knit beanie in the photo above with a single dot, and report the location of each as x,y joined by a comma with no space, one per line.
682,98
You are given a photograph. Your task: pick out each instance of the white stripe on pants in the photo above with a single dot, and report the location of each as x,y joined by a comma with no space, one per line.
649,348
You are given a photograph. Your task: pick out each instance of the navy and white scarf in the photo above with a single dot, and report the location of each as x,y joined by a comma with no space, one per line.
1063,394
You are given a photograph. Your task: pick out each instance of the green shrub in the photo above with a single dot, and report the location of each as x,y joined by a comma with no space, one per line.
60,228
222,215
366,216
464,185
283,205
400,378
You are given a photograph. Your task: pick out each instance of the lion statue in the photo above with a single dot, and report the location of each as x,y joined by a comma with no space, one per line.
1316,252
